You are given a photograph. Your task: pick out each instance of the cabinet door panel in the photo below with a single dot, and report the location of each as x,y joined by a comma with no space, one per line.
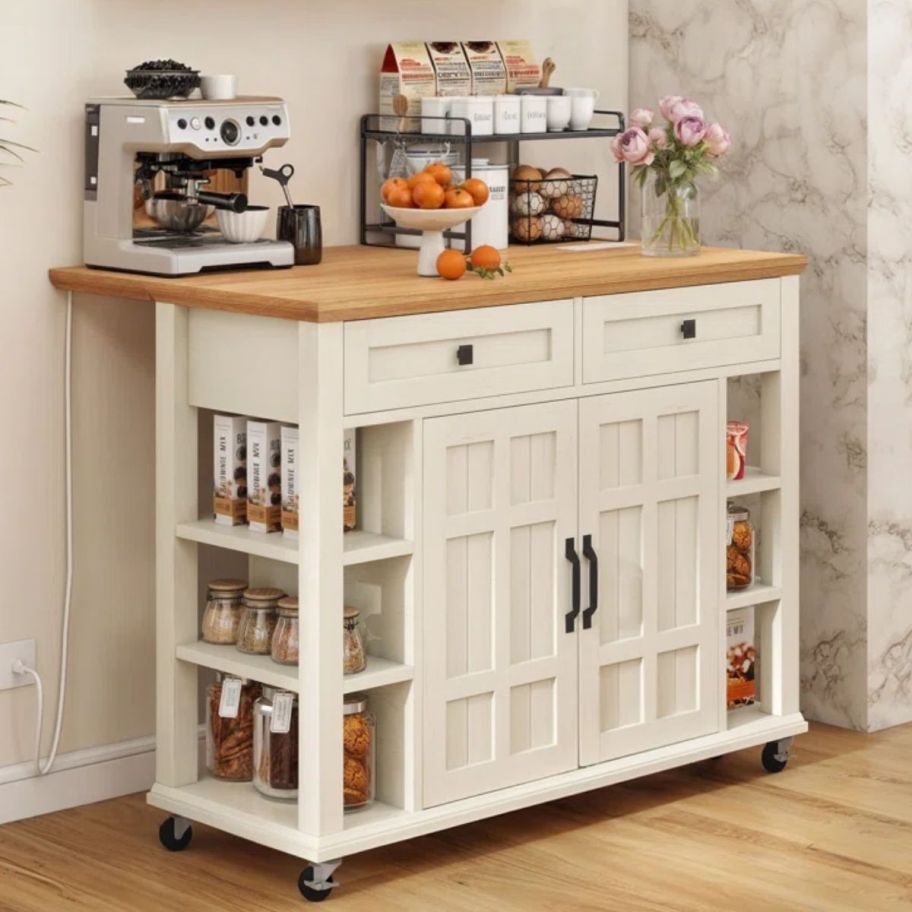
500,672
649,496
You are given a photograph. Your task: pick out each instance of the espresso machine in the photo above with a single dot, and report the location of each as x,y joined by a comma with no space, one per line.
157,170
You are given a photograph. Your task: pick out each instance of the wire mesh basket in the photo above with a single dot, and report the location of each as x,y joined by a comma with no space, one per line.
547,211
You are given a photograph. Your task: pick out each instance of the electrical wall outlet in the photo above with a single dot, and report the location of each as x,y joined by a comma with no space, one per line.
9,652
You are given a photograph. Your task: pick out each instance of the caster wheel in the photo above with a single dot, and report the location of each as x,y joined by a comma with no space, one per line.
167,837
310,893
773,760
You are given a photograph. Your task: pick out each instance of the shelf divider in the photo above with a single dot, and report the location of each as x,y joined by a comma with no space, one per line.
755,481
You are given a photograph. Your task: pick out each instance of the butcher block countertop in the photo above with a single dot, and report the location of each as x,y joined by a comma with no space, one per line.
357,283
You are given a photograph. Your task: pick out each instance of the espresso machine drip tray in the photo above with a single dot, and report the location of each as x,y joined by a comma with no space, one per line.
197,240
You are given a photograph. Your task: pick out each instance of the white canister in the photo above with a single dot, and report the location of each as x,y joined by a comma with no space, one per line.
582,107
432,110
477,109
558,112
507,112
534,113
492,224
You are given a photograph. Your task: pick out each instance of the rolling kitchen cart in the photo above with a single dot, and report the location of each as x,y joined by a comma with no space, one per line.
542,517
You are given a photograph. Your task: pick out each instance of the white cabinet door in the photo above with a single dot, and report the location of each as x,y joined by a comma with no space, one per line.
649,483
500,694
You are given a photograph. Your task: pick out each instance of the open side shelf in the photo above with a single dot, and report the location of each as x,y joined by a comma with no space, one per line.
755,481
753,595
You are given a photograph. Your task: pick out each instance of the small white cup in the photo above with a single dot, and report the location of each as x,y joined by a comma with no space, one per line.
507,112
432,109
593,93
478,109
218,88
582,111
534,114
558,113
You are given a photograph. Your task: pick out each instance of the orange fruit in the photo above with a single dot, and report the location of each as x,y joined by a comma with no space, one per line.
390,185
419,178
485,257
459,199
440,172
451,264
400,197
428,194
477,188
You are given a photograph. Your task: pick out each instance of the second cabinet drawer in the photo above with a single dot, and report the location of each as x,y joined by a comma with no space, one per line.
658,332
443,357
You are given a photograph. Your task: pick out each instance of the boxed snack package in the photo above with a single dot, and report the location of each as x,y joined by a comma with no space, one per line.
407,70
290,480
522,67
349,470
264,490
450,68
489,75
740,658
229,501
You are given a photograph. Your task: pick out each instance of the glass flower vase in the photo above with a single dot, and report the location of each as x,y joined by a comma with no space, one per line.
670,217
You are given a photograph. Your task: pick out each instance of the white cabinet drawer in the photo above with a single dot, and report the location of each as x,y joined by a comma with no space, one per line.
402,361
636,335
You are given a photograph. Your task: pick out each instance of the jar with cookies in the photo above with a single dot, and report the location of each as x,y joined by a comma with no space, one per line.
359,738
740,549
229,727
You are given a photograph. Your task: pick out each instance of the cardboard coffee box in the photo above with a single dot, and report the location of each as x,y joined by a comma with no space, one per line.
740,658
522,67
264,489
289,481
407,70
349,490
489,75
451,69
229,470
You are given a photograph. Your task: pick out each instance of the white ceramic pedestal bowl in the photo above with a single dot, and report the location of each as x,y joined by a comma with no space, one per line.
432,223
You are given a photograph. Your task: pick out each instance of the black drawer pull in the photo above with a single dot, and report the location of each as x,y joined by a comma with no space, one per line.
689,329
573,557
465,355
592,557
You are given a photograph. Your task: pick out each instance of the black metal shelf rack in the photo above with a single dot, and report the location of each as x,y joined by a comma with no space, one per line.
383,233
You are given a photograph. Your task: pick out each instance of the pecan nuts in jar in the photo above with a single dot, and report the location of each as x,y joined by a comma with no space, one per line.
739,552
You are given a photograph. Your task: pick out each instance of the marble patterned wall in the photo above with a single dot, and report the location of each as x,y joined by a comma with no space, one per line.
787,77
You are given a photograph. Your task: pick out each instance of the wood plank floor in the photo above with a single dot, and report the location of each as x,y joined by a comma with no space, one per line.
832,832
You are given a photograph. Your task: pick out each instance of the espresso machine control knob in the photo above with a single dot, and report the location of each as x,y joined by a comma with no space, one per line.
210,123
231,132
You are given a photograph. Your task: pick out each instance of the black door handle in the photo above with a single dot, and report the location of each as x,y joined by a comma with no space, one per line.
689,329
592,557
573,557
465,354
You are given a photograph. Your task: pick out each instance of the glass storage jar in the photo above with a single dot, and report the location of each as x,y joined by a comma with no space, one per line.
359,736
258,620
285,635
354,656
223,611
740,548
275,744
229,737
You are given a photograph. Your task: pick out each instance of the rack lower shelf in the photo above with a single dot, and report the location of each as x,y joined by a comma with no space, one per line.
757,594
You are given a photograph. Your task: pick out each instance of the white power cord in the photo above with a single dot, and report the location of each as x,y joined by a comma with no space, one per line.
19,667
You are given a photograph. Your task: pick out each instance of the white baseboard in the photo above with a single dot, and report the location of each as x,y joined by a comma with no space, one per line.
79,777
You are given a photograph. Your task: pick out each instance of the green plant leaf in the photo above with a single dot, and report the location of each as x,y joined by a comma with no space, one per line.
677,169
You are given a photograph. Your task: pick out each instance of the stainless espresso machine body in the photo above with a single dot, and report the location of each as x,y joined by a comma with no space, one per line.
148,164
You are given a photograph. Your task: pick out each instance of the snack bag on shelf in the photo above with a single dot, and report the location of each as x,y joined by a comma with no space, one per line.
740,658
736,449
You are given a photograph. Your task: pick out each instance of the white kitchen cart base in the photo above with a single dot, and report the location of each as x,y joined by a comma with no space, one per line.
541,551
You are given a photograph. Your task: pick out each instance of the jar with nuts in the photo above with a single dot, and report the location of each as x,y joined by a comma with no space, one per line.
740,548
229,727
358,755
223,611
258,620
285,635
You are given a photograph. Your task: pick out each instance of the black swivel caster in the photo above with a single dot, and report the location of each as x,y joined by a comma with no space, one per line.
775,756
168,834
315,883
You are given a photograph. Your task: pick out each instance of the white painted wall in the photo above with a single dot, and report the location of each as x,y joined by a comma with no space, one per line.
323,57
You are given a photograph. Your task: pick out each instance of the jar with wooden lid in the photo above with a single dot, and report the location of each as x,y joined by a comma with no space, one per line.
354,656
222,614
285,635
359,737
275,744
740,549
258,620
229,727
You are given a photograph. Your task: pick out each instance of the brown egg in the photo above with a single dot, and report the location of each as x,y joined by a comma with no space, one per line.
529,177
557,182
568,206
527,229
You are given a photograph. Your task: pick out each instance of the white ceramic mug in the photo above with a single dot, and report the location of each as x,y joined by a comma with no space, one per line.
477,109
534,114
582,107
432,109
558,113
218,88
507,111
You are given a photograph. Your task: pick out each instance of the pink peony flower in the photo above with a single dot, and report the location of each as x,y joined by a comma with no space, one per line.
689,131
632,146
685,107
642,117
658,137
718,142
667,105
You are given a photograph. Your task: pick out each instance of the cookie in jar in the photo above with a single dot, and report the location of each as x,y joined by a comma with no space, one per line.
359,750
740,549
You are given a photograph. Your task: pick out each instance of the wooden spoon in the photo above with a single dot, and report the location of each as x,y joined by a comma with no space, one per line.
548,68
400,107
